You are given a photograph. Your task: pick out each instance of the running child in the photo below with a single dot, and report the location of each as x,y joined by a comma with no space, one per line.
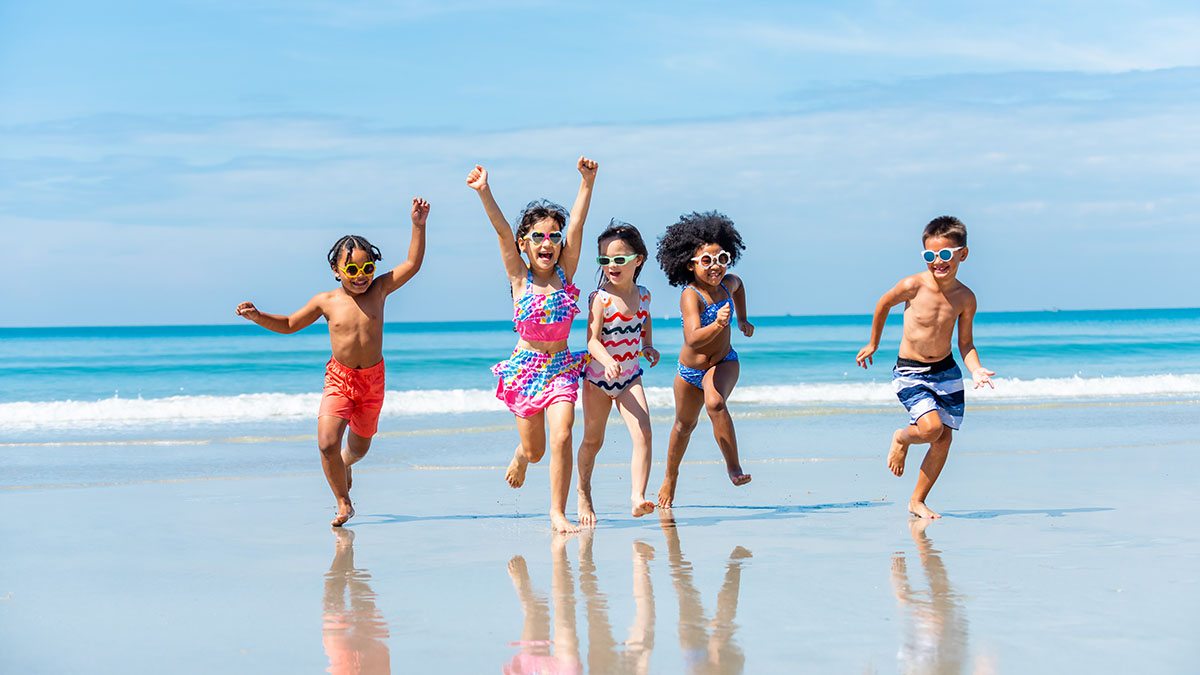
540,381
696,253
619,333
926,378
354,376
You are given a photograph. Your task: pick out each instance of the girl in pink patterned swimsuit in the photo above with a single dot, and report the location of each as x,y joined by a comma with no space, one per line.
540,381
618,336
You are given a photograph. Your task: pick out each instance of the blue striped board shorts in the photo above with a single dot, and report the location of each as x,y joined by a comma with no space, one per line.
926,387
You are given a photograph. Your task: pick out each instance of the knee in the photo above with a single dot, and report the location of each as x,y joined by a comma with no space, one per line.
330,446
685,426
561,438
592,443
931,431
715,405
534,453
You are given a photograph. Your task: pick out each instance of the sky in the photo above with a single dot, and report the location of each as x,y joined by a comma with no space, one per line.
161,162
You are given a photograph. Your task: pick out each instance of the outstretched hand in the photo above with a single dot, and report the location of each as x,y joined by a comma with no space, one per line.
982,376
420,211
247,311
477,179
587,168
866,356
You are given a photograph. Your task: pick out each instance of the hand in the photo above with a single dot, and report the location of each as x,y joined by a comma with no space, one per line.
723,315
587,168
477,180
982,376
420,211
865,355
612,371
248,311
746,327
651,355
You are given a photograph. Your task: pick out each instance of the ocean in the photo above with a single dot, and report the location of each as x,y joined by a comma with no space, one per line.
122,383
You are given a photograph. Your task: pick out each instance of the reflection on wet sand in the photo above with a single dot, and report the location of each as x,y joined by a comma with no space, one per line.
708,645
353,630
935,639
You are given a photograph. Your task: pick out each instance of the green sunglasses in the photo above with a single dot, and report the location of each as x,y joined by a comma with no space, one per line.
622,260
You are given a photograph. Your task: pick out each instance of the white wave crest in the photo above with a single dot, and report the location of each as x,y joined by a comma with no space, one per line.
117,411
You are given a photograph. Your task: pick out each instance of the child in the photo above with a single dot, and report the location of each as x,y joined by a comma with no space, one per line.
618,333
696,253
540,381
354,379
926,377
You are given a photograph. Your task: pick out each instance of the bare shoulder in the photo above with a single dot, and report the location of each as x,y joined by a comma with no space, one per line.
965,298
733,282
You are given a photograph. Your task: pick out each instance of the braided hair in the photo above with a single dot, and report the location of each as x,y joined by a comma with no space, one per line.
619,229
678,245
349,244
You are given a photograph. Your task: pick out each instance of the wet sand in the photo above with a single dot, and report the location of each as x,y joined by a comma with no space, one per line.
1070,543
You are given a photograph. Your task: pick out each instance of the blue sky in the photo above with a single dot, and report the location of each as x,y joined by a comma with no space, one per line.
160,162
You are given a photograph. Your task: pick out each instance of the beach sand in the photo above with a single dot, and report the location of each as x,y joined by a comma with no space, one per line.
1070,544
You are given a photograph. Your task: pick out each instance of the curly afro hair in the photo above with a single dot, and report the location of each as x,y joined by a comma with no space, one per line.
678,245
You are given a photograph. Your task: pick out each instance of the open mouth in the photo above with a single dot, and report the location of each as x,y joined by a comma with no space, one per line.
545,256
941,269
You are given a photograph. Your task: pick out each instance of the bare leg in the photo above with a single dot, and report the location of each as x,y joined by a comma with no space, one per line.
353,451
532,430
535,633
329,441
636,413
931,468
562,590
641,634
718,384
927,429
688,402
596,406
561,417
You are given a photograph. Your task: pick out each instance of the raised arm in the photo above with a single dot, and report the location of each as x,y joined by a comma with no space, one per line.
966,345
406,270
902,292
739,304
298,320
569,260
514,266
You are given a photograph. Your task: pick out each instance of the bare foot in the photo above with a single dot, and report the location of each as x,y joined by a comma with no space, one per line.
919,510
345,512
559,523
666,493
587,516
643,550
739,479
897,455
343,538
641,506
517,569
515,475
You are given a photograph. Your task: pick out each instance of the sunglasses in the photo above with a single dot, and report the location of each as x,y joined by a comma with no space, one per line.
603,260
944,254
538,237
706,260
353,270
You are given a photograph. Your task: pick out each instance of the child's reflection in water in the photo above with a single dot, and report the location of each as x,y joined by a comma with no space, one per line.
708,645
353,630
935,628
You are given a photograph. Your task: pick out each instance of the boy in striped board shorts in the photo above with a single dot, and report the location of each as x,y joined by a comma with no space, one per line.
927,380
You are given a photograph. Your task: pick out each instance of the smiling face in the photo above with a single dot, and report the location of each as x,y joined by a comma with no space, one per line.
620,275
358,257
542,256
945,269
710,276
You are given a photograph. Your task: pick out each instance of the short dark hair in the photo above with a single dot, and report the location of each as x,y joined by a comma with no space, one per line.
540,209
946,226
678,245
629,234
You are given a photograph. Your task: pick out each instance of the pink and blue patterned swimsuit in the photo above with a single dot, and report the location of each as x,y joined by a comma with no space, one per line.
531,381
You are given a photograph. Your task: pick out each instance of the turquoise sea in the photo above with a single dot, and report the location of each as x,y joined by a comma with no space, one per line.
146,382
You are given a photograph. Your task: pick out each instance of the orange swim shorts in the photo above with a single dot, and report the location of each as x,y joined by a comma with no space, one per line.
355,395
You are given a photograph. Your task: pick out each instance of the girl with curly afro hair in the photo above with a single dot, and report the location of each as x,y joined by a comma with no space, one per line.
696,253
540,381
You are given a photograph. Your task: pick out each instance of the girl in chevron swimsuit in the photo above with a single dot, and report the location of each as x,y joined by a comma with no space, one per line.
618,335
539,382
696,253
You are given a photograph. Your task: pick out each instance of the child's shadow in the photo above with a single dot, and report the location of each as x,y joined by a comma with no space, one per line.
1049,513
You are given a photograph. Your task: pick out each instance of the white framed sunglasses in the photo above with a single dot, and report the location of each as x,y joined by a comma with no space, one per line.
537,238
944,255
707,260
621,260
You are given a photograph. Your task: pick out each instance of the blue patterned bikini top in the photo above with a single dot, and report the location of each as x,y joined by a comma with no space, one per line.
709,314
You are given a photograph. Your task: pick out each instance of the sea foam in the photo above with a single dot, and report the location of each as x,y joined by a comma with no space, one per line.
267,407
